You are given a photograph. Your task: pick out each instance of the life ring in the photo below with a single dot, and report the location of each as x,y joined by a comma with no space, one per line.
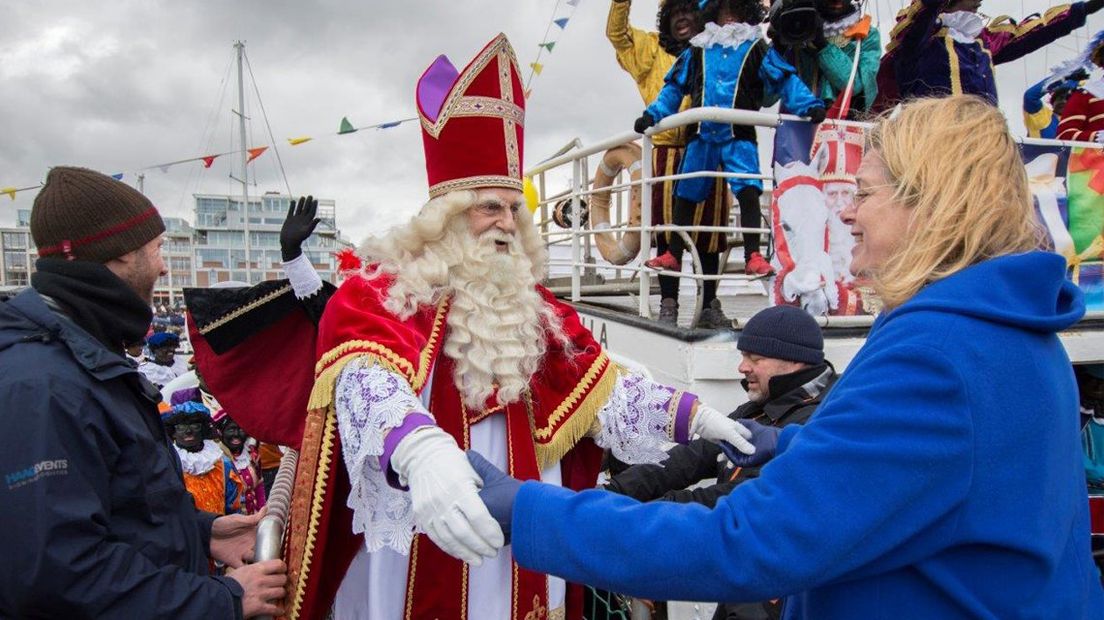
616,248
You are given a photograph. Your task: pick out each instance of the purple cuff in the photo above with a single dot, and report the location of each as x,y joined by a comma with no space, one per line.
413,421
682,418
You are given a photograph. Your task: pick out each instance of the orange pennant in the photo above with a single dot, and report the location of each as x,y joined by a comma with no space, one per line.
255,153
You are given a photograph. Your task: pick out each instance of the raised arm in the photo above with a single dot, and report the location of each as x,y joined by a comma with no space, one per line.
1008,41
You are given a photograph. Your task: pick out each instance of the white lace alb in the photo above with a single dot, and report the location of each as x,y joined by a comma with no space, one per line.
635,420
370,401
199,463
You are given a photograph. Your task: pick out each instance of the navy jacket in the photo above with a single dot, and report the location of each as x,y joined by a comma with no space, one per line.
95,521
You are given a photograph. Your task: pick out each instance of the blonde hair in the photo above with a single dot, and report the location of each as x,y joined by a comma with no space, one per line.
954,165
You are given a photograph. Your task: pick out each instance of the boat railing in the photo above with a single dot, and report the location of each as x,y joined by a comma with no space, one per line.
582,259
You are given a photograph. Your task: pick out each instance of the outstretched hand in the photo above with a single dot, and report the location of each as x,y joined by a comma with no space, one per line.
300,222
765,440
233,538
498,491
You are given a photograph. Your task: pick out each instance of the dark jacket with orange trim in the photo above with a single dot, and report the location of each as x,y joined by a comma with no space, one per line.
922,59
800,394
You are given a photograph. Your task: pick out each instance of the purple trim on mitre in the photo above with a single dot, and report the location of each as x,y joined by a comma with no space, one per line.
434,86
682,417
412,422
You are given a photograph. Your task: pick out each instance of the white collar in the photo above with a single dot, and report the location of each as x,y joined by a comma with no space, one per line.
963,26
729,35
243,460
199,463
1094,88
836,28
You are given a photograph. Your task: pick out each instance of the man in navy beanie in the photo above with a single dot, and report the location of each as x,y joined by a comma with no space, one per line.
95,521
785,377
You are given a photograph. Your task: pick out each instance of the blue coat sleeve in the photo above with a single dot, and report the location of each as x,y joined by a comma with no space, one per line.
675,88
781,78
1033,97
62,559
871,481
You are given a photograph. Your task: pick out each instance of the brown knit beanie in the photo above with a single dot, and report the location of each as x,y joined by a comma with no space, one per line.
81,214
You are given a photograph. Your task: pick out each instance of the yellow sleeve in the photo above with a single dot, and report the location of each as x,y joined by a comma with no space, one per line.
636,49
1038,121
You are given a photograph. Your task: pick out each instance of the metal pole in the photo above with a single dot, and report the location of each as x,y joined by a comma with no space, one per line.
244,160
645,223
576,271
142,183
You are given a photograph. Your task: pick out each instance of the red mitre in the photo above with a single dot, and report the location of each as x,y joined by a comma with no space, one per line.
473,121
845,151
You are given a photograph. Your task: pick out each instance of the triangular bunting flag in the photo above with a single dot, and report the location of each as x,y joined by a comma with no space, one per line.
117,177
208,160
164,169
572,2
346,126
255,153
537,67
548,46
298,141
10,191
390,125
528,92
561,22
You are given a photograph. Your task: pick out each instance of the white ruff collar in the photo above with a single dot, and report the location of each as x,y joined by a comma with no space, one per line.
729,35
199,463
1094,88
836,28
963,26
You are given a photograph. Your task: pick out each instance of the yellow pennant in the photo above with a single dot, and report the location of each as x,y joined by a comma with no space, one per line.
10,191
298,141
537,67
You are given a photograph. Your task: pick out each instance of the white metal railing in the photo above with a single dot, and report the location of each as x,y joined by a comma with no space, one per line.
577,156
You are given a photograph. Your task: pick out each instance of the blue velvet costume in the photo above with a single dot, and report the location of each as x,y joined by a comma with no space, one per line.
739,77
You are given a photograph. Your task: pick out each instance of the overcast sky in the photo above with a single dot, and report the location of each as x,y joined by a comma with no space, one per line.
132,83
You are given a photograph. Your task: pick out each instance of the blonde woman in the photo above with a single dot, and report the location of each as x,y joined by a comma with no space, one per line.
940,478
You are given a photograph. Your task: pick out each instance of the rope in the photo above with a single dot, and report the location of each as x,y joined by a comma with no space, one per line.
271,138
540,50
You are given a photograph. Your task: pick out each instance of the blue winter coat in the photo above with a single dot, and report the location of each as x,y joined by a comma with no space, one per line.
94,518
941,478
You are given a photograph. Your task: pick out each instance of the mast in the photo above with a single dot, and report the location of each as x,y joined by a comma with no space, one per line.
240,47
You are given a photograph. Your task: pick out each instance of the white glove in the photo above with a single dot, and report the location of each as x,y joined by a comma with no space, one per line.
444,491
1098,137
712,425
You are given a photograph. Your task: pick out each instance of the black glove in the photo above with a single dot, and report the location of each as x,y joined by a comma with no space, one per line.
1093,6
645,121
817,114
298,225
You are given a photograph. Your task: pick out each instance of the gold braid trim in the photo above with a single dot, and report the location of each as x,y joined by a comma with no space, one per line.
592,393
329,367
320,480
1005,23
952,62
904,20
230,316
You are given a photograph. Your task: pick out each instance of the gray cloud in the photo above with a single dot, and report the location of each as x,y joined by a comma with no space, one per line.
133,83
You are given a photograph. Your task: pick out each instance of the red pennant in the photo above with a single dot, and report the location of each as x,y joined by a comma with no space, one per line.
208,160
255,153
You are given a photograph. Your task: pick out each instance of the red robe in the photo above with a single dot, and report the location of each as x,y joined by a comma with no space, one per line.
563,402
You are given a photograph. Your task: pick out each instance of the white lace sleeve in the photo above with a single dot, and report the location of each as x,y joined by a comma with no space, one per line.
305,281
635,421
369,401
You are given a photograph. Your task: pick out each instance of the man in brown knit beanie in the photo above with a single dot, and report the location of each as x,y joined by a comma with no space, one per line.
94,515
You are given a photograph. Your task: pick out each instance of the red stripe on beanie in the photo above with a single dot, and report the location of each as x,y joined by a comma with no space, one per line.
114,230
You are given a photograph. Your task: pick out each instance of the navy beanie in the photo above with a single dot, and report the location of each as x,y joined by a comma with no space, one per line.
783,332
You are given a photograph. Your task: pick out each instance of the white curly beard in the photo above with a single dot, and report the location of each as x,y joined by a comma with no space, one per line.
496,322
